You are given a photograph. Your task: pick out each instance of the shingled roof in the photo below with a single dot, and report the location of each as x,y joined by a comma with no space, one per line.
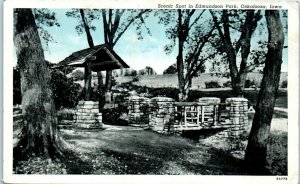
101,56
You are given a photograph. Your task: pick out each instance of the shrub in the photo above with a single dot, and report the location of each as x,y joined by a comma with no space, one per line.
78,75
284,84
250,84
65,92
277,153
167,92
135,79
227,84
113,116
133,73
212,84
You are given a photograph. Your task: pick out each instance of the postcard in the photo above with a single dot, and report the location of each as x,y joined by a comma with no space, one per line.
151,91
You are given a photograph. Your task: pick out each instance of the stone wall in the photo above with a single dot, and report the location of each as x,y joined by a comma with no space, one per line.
138,110
17,117
86,116
66,118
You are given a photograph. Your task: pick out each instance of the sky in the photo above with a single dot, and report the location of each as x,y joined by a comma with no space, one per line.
136,53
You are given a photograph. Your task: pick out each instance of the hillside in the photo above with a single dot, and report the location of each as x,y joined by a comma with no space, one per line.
170,80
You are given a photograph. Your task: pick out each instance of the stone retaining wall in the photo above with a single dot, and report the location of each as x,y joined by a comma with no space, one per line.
86,116
17,117
66,118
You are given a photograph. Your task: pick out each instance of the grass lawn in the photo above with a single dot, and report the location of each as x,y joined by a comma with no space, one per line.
132,150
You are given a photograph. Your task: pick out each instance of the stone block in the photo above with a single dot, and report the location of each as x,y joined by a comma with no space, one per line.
86,121
66,122
209,100
80,102
89,103
94,111
89,117
88,106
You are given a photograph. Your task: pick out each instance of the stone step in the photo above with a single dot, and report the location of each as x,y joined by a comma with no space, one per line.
66,122
65,126
87,126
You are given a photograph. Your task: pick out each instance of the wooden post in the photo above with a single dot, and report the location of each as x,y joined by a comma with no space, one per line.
87,81
198,114
202,114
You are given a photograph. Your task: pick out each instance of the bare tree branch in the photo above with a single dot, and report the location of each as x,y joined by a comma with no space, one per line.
128,24
196,19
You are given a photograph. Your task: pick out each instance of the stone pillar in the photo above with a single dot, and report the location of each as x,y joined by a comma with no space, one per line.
238,117
87,115
138,110
210,111
238,114
162,114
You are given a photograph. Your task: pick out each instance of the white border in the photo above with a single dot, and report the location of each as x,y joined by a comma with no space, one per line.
293,96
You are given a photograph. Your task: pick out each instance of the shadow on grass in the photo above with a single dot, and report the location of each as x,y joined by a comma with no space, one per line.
195,135
277,159
219,162
127,163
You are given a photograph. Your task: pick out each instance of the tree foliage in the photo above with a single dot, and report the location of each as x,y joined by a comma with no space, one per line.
116,22
147,71
188,30
45,18
235,30
90,17
78,75
65,92
172,69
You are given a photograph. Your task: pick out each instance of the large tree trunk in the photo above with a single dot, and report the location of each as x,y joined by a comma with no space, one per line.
39,132
180,73
256,152
87,68
238,83
179,61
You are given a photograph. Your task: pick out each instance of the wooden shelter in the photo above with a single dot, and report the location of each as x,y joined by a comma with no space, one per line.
101,57
98,58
